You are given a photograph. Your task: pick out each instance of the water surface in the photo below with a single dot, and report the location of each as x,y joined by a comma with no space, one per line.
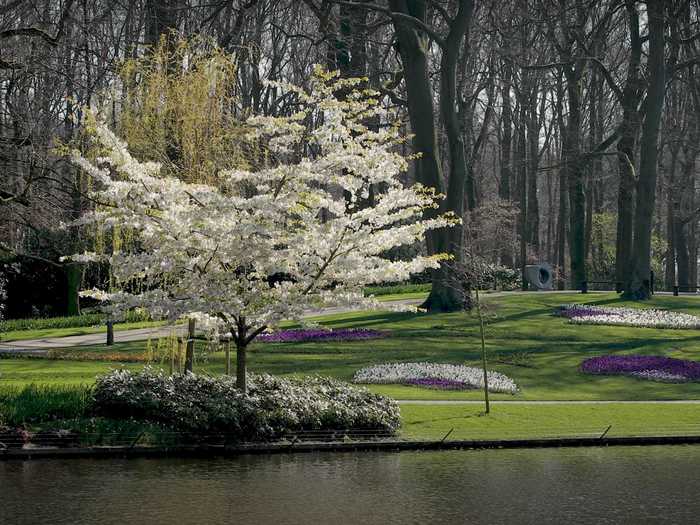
586,485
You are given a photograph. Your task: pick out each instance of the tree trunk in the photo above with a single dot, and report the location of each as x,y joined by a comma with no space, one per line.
414,48
563,211
241,367
626,146
74,275
521,164
504,183
189,352
571,148
506,133
670,266
533,207
637,284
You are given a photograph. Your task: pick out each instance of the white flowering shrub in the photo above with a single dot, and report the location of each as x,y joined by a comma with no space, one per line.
435,375
646,318
262,246
272,406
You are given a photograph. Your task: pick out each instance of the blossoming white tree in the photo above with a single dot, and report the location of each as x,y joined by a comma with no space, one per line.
265,245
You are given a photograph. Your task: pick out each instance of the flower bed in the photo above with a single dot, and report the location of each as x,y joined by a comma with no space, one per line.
320,334
654,368
648,318
435,375
273,406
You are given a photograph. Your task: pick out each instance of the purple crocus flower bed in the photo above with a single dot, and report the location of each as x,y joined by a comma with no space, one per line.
581,310
320,334
655,368
439,384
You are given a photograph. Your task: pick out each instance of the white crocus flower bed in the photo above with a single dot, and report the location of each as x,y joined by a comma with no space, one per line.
649,318
435,375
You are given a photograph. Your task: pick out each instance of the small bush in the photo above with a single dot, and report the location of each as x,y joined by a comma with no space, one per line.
272,406
500,277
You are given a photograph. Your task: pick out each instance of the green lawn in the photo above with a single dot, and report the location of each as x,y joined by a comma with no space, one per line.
539,351
515,421
44,333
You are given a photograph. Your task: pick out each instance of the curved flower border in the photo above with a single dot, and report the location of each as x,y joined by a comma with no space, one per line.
642,318
435,375
653,368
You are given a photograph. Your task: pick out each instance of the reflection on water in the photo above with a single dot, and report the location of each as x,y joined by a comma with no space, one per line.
593,485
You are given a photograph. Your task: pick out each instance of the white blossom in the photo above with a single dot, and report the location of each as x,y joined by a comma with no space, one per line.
264,245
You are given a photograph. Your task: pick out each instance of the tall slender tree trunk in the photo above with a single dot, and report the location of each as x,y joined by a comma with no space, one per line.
521,170
575,179
533,206
637,284
626,147
563,209
504,183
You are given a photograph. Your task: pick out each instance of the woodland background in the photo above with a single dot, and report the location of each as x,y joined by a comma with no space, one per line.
565,131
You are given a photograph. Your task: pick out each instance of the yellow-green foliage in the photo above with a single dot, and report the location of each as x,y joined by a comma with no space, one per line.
179,109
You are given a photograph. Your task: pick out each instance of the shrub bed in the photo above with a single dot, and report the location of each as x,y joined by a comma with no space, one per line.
654,368
435,375
647,318
273,406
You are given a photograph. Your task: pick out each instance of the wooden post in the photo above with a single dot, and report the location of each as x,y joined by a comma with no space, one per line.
189,352
110,332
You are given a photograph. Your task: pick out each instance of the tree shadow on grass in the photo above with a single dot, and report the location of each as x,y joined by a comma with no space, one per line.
372,319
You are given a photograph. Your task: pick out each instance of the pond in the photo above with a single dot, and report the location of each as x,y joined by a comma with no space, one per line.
584,485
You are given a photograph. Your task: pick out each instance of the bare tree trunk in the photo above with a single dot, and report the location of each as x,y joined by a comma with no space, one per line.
626,146
637,284
533,207
571,156
413,47
504,183
563,212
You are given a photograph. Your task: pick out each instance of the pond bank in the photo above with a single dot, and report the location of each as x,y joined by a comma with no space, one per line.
340,446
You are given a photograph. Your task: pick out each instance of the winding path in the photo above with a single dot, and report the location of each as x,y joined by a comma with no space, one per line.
42,345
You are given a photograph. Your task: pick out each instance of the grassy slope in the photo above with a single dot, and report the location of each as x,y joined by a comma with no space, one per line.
521,329
537,421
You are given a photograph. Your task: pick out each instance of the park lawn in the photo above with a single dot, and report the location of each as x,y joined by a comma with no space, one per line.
45,333
525,341
519,421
